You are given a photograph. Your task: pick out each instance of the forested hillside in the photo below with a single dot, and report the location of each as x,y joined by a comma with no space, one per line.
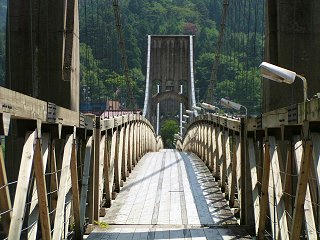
101,73
238,78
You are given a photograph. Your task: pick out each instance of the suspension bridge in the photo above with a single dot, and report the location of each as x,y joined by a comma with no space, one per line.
69,175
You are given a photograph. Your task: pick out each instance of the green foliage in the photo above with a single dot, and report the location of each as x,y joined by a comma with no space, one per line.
101,72
237,76
167,131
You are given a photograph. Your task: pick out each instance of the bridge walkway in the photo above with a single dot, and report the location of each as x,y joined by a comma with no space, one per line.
170,195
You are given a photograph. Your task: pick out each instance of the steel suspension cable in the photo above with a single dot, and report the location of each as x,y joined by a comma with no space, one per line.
124,59
213,79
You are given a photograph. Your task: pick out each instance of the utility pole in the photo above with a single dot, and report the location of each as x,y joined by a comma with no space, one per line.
124,58
213,79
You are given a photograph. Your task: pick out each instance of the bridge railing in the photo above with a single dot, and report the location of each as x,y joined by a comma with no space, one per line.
268,167
62,167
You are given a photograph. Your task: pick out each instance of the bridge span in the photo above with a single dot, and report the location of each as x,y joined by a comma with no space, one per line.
170,195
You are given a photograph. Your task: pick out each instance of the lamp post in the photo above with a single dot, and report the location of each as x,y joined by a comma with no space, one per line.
229,104
282,75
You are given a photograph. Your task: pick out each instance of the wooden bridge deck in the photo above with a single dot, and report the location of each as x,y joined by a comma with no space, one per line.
170,195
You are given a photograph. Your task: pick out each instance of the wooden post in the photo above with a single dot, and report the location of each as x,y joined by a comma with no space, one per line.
85,181
301,190
100,176
75,191
18,211
5,202
281,214
118,160
254,181
63,190
96,202
54,184
264,192
39,200
226,160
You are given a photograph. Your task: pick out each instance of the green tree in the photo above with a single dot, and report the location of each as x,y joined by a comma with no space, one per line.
168,129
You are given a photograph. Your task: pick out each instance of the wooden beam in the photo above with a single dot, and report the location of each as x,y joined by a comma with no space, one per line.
85,181
64,188
42,192
254,182
288,185
54,184
264,192
19,204
125,153
280,205
109,170
35,207
75,191
5,201
101,177
118,161
301,206
96,203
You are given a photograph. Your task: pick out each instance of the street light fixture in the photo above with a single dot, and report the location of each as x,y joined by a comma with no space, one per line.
209,106
190,112
196,108
282,75
229,104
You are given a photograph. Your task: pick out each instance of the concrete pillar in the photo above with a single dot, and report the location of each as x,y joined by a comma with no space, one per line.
293,42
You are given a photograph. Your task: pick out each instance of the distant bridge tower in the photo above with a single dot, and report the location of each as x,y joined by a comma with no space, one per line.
169,65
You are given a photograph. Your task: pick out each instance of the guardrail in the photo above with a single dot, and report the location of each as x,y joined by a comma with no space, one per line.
267,166
71,166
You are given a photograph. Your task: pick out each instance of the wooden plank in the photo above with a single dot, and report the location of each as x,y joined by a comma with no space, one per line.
91,199
288,184
109,170
96,203
118,161
316,158
280,205
130,157
264,192
303,205
134,152
34,206
239,174
213,149
102,157
53,180
228,170
254,182
223,161
63,190
22,106
5,201
124,168
219,152
233,175
85,181
75,192
22,187
42,192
